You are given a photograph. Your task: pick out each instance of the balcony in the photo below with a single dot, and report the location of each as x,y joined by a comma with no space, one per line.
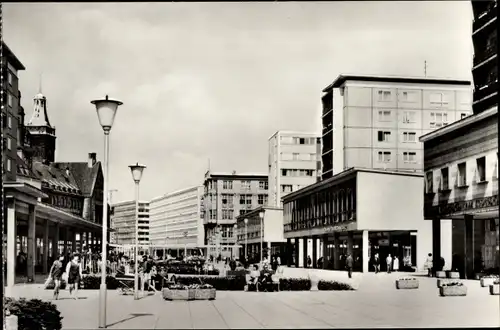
490,88
486,54
321,221
485,16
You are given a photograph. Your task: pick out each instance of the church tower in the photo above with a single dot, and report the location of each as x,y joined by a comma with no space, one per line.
43,135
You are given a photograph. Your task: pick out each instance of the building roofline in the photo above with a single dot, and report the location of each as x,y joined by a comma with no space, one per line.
312,134
176,192
257,210
237,175
341,79
129,202
346,173
459,124
11,57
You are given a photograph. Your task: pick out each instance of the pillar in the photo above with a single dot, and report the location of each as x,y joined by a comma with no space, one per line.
11,243
73,241
325,252
289,252
365,252
469,246
314,252
87,242
436,241
65,237
296,248
45,261
55,242
304,245
336,252
31,259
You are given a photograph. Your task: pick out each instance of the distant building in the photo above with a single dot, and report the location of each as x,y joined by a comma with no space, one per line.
376,122
226,196
176,221
124,223
294,163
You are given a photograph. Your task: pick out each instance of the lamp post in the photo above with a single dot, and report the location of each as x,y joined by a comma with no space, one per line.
165,245
185,245
246,239
261,216
106,111
136,175
235,233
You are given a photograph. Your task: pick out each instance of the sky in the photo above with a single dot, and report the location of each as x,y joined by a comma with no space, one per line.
215,80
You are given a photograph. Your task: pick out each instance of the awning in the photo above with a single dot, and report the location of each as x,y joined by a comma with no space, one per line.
56,215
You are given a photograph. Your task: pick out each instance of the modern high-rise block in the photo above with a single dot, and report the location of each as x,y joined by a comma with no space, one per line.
375,122
123,222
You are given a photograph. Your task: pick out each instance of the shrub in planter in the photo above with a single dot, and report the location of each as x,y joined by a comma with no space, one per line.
34,314
488,280
334,286
222,283
453,289
442,281
295,284
407,283
495,288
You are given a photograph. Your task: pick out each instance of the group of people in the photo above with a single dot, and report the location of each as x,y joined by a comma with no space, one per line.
71,271
392,264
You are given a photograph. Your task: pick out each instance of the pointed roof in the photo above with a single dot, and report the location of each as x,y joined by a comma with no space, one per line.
40,116
56,177
84,175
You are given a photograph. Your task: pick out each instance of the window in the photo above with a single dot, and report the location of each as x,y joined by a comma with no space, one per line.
227,214
384,136
8,165
213,214
227,199
284,172
409,137
384,96
408,96
261,199
429,179
227,184
481,169
462,175
445,178
263,185
384,115
463,115
9,121
9,143
10,77
295,156
286,188
409,117
409,157
243,212
245,199
438,99
439,119
384,156
10,100
246,185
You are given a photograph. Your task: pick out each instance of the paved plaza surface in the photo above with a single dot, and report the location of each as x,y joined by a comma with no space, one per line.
376,303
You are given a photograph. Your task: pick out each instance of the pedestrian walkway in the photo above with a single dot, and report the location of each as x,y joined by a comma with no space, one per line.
377,303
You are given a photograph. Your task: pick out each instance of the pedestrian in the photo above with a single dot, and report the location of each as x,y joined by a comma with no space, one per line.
349,263
55,275
278,260
395,264
376,263
74,274
388,261
274,264
309,261
428,265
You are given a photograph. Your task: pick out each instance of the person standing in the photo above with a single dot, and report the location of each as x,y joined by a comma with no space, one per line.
376,263
428,265
349,263
309,261
388,261
55,273
74,273
395,264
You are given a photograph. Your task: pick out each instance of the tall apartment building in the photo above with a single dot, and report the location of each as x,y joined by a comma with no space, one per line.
12,113
176,219
123,222
485,63
375,122
294,163
228,195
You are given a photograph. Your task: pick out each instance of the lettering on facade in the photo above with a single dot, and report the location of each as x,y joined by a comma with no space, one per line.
336,228
463,206
71,204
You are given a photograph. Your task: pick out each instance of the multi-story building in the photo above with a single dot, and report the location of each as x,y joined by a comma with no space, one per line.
461,166
485,63
294,163
124,225
375,122
176,221
228,195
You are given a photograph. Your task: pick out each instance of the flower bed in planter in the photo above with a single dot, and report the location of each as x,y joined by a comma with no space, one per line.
221,283
452,275
440,274
407,283
442,281
334,286
495,288
178,292
34,314
488,280
453,289
203,291
295,284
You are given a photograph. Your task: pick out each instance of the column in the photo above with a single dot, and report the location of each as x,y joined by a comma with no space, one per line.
30,262
87,242
365,252
55,242
436,241
469,246
65,238
304,245
336,252
289,252
45,261
314,252
325,252
11,243
350,242
296,247
73,241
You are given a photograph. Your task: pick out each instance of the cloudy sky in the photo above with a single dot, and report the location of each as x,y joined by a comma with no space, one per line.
213,81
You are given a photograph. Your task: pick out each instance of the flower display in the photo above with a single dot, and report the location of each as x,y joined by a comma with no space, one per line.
453,284
491,276
407,279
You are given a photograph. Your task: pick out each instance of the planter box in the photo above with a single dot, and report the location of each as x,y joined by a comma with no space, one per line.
407,284
178,294
442,281
478,276
441,274
453,291
495,289
204,294
454,275
486,282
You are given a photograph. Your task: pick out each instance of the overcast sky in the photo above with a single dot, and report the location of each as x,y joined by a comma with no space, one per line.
214,80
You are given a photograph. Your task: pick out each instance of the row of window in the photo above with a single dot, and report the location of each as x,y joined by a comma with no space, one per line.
298,156
438,119
386,157
385,136
435,99
245,184
298,140
227,199
212,214
295,172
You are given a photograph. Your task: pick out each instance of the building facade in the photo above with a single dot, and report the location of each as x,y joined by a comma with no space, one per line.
226,196
294,163
485,63
348,214
176,221
124,223
375,122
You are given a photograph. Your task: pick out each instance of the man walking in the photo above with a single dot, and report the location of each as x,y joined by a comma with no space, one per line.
349,264
376,263
388,260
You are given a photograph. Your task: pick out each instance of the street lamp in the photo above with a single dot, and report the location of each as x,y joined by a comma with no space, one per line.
235,233
246,239
261,216
185,245
136,175
106,111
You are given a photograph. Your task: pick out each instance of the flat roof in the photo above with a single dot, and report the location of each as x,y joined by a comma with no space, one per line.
310,134
349,172
226,174
462,123
12,58
258,209
176,192
341,79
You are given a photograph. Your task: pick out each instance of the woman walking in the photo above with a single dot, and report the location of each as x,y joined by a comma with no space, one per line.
55,274
74,273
